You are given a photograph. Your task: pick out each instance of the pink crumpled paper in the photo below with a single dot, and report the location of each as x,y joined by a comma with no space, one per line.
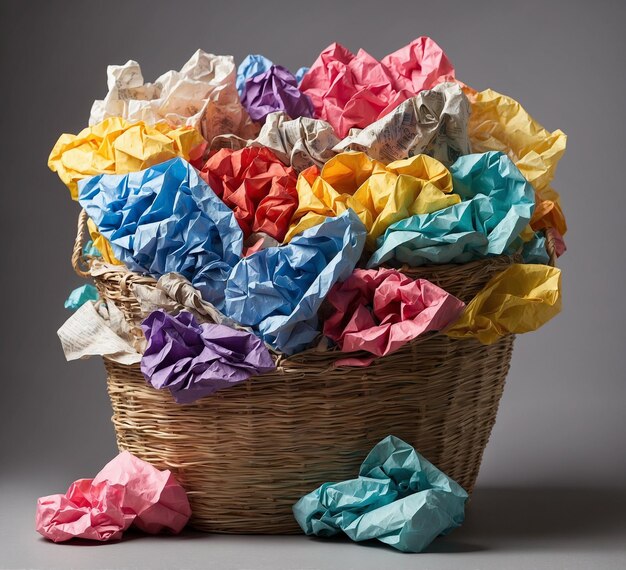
126,491
350,90
379,311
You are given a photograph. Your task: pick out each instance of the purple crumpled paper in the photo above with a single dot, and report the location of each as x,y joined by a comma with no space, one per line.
193,361
275,90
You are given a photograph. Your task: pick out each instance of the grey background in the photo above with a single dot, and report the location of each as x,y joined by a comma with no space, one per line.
561,425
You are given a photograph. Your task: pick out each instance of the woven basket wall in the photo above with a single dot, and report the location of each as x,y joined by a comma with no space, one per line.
248,453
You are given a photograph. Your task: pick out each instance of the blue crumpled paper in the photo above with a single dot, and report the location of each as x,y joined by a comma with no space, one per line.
497,205
399,498
255,64
251,66
79,296
279,290
534,251
166,218
300,74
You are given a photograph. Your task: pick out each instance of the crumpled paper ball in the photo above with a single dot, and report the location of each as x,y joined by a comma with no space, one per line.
434,122
194,360
255,64
520,299
79,296
300,143
202,95
258,187
350,90
379,194
275,90
497,205
127,491
399,498
380,311
166,218
117,146
498,122
251,66
279,290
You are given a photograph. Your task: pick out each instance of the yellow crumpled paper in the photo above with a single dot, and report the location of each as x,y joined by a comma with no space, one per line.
520,299
102,244
498,122
379,194
116,146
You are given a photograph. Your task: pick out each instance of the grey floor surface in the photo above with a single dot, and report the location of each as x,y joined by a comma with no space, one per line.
506,528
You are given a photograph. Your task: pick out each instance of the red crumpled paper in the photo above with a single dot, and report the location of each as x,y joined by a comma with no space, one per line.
381,310
126,491
257,186
350,90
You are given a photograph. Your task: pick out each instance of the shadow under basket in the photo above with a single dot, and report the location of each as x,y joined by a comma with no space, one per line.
246,454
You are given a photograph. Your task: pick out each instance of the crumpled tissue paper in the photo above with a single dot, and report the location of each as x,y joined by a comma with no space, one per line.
520,299
299,143
116,146
434,122
79,296
350,90
258,187
380,195
194,360
202,95
399,498
380,311
279,290
164,219
127,491
275,90
497,205
498,122
255,64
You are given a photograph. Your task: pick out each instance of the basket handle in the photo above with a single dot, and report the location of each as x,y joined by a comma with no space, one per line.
550,246
78,260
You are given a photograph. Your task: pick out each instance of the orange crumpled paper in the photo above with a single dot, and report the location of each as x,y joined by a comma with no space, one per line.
126,491
379,311
350,90
379,194
257,186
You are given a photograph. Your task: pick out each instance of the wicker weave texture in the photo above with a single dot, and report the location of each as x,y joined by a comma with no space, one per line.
246,454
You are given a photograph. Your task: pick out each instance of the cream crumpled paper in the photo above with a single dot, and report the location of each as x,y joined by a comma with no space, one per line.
203,94
99,329
434,122
300,142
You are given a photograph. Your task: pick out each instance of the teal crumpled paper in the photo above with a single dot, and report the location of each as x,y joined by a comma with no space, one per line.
497,204
90,250
79,296
534,251
166,219
399,498
277,291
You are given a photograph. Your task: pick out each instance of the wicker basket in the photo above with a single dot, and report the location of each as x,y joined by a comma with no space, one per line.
246,454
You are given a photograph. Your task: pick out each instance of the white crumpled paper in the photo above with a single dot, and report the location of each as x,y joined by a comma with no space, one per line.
434,122
300,142
202,94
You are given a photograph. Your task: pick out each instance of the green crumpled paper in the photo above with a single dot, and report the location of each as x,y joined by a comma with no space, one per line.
399,498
